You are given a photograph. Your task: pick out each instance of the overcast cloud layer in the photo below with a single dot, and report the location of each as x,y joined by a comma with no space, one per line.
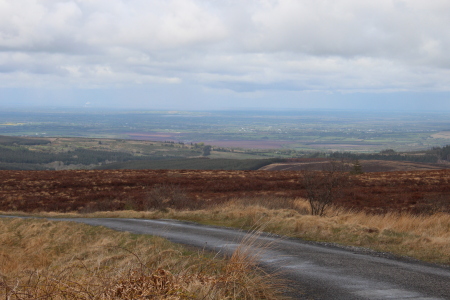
224,53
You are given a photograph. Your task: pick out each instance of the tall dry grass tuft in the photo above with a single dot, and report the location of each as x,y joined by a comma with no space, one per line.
58,260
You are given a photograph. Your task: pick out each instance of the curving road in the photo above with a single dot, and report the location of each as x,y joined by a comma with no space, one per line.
315,270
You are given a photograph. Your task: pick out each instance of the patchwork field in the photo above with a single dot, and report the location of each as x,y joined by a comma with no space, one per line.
94,190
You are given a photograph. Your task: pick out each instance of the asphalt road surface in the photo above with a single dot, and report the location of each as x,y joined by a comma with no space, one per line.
314,270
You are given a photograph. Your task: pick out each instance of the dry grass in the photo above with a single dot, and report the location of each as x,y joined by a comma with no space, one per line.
425,237
59,260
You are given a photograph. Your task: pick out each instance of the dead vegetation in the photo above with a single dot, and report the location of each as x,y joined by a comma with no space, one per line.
84,191
59,260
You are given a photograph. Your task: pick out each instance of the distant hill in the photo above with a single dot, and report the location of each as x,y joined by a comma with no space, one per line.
367,165
23,153
63,153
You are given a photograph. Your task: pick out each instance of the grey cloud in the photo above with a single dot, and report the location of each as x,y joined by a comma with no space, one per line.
342,45
354,28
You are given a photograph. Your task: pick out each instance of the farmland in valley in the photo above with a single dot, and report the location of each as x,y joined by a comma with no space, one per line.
299,131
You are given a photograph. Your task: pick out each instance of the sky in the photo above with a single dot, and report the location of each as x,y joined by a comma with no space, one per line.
226,54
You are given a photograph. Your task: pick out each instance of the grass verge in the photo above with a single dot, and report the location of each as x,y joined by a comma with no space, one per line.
424,237
40,259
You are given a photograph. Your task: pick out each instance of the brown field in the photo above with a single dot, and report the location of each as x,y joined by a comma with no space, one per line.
269,144
441,135
345,147
92,190
156,136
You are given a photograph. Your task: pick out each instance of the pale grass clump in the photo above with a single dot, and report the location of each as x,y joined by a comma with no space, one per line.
425,237
60,260
437,225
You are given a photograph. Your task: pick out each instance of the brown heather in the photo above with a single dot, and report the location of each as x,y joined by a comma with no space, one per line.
418,192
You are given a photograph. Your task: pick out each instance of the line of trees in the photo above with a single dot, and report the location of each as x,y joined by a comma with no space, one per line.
21,155
13,140
442,153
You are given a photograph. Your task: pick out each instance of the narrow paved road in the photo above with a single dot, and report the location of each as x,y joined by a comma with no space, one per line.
317,271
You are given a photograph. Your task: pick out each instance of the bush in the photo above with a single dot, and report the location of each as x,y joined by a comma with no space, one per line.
164,196
323,187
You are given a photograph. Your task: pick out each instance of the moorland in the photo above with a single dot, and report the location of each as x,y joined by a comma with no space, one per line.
417,192
176,167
